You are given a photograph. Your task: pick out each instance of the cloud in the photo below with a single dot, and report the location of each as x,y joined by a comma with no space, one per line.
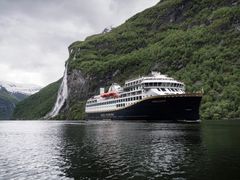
34,35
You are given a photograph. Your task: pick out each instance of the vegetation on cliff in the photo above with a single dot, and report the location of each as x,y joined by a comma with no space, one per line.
195,41
7,103
37,105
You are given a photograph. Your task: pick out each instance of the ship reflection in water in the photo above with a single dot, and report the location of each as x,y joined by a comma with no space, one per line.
119,150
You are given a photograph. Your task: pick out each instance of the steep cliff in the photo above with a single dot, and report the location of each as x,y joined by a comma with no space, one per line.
195,41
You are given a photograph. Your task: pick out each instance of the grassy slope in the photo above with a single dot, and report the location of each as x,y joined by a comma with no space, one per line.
195,41
37,105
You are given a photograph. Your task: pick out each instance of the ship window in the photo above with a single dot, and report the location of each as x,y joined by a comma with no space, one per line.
155,84
163,89
150,84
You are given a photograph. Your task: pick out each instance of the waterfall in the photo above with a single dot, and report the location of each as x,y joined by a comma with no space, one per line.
61,98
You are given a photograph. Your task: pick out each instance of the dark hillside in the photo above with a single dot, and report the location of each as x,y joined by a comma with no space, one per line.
7,103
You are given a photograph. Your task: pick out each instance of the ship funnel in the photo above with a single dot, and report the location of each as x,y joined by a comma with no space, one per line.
102,90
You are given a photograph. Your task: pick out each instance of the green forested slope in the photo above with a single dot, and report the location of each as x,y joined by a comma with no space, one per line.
37,105
7,103
195,41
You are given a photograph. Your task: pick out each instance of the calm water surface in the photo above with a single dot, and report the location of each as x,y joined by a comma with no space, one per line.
119,150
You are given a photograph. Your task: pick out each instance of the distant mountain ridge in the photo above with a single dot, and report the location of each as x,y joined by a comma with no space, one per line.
11,94
27,89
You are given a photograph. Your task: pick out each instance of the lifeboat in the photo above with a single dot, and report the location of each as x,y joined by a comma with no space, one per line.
109,94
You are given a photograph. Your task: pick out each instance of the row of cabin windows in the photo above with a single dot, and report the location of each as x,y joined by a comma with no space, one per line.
94,101
130,94
134,88
133,83
163,84
120,105
116,101
170,89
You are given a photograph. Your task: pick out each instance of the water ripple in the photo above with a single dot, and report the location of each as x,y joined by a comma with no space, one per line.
109,150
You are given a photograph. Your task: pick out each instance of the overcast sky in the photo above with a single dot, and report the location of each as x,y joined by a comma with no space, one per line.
35,34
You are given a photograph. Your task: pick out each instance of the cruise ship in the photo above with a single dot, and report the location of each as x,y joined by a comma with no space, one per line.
156,97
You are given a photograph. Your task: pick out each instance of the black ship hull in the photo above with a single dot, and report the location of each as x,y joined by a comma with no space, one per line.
184,107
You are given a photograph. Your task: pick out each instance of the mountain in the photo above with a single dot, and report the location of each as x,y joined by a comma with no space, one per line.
17,88
39,104
195,41
7,103
11,94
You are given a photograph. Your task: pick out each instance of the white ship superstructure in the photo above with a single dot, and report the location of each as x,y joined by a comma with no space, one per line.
134,91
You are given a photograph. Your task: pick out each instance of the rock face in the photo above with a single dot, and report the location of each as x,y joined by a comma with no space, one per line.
78,86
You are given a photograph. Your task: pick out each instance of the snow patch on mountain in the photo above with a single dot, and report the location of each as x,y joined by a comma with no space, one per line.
27,89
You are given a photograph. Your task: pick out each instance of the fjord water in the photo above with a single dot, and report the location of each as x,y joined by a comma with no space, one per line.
119,150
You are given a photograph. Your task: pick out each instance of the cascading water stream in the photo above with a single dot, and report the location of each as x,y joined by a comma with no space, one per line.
61,98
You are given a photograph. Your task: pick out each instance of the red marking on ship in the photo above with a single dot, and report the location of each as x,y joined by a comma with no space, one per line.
110,94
